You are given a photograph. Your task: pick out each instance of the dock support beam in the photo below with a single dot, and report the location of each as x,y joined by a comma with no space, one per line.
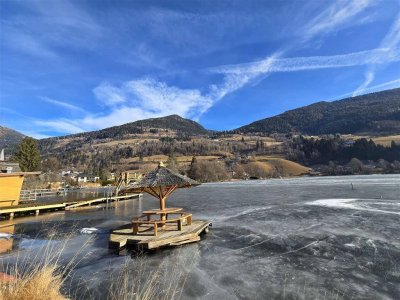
11,216
37,212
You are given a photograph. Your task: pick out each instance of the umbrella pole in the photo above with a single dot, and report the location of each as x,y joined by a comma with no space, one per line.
162,206
162,203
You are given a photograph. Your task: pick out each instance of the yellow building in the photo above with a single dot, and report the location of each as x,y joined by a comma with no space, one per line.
10,188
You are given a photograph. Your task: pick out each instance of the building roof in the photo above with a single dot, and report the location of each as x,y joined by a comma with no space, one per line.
86,175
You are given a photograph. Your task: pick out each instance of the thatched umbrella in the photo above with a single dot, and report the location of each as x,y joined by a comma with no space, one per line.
160,183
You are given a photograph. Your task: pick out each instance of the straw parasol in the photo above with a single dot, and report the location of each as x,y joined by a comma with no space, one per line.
160,183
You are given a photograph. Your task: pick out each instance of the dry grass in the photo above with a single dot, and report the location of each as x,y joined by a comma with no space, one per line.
386,140
42,274
181,159
283,166
258,169
289,168
247,138
41,283
140,280
37,274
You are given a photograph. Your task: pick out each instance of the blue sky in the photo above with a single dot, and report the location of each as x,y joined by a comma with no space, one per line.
72,66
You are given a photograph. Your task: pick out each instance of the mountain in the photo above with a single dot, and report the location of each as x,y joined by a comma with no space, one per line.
9,139
172,125
375,113
172,122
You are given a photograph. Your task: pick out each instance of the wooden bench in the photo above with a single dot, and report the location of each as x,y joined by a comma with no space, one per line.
137,222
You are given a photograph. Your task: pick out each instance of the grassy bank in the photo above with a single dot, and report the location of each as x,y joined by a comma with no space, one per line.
46,274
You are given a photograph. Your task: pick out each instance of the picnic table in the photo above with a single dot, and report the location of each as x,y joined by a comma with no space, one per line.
163,220
163,213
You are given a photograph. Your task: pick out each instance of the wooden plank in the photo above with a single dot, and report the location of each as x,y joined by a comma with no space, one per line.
167,237
37,206
196,239
32,208
101,200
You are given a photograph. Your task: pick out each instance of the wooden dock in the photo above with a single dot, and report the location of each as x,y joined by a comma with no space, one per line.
169,236
40,207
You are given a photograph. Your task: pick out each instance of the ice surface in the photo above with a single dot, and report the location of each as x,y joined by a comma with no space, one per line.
89,230
357,204
5,235
300,238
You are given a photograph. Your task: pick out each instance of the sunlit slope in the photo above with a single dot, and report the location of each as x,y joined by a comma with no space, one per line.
285,167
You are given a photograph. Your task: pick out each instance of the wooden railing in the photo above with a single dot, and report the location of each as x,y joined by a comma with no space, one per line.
31,195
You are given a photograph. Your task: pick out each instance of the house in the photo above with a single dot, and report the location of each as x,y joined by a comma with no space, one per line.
86,177
111,177
9,167
70,174
348,143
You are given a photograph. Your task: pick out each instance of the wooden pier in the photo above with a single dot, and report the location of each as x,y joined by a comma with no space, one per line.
33,194
124,238
40,207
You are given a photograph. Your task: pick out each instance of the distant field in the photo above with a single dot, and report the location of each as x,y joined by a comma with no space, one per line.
238,137
269,163
286,167
267,157
386,140
125,142
164,158
381,140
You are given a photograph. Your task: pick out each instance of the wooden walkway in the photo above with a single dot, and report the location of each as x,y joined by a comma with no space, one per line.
170,236
39,207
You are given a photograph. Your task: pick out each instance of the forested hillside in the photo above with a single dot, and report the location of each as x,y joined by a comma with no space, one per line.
9,139
375,113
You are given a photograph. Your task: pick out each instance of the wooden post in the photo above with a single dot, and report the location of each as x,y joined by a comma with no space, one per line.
135,228
37,212
11,216
180,224
155,229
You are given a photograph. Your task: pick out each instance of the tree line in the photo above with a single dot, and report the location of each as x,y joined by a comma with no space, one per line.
324,150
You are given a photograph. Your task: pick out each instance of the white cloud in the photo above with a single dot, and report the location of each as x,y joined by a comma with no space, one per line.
109,94
332,18
369,77
392,84
239,75
29,45
35,135
60,125
143,98
148,98
335,16
61,103
391,42
48,26
158,97
375,56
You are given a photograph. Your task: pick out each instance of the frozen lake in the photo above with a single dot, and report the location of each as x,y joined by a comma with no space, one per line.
302,238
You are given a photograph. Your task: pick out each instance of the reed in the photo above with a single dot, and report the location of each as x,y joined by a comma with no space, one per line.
46,275
39,274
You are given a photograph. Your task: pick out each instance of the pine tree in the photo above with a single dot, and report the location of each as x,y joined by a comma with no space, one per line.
27,155
192,168
172,162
